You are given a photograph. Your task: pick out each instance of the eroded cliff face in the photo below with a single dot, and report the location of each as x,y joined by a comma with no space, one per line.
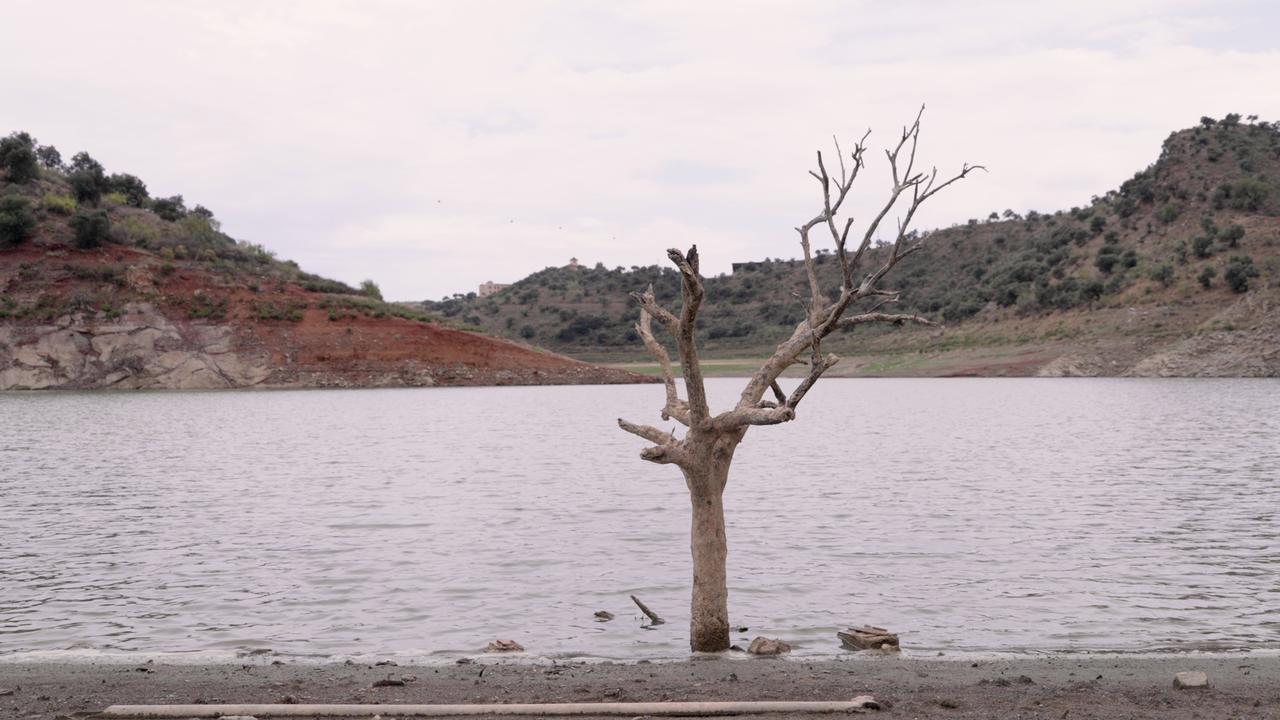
140,349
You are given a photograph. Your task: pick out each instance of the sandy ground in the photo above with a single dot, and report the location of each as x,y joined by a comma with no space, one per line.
1242,686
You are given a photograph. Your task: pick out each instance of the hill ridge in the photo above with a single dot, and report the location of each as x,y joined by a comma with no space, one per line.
1180,243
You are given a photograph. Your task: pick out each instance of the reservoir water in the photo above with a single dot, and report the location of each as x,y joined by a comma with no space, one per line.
970,515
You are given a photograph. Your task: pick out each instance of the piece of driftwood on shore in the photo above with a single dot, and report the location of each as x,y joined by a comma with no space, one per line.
868,637
653,616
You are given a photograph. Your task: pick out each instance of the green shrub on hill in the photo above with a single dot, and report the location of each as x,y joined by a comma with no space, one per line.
130,187
172,208
59,204
92,228
1245,194
17,222
1239,270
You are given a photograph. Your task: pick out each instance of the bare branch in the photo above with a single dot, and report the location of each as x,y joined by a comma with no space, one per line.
819,367
741,417
648,432
872,317
691,291
649,303
675,407
823,318
777,393
667,449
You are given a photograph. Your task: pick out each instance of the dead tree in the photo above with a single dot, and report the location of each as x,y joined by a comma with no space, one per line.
706,449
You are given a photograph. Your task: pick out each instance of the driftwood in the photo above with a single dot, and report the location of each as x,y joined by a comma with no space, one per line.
653,616
868,637
861,703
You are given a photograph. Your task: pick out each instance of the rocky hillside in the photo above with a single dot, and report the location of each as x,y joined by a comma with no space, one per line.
104,286
1176,272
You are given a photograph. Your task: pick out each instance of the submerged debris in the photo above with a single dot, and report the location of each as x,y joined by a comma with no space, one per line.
501,646
868,637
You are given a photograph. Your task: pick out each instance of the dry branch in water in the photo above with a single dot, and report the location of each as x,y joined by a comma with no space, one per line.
706,449
653,616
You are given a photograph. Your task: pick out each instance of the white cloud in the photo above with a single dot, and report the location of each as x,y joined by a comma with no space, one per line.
432,146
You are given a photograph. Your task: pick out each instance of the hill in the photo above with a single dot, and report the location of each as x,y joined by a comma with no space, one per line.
104,286
1176,272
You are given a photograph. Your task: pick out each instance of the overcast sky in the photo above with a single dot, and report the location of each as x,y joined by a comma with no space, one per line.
431,145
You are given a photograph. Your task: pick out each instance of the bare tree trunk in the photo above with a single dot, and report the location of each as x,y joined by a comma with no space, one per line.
709,612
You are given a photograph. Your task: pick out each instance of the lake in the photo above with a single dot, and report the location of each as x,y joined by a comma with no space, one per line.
969,515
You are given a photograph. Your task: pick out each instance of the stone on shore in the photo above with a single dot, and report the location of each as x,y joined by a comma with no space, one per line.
768,646
1191,680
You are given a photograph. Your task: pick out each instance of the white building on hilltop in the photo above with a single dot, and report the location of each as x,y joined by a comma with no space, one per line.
489,288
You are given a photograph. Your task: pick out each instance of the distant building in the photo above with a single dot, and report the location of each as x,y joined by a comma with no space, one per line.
489,288
573,263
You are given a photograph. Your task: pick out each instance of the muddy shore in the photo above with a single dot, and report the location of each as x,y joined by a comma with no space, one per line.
1244,686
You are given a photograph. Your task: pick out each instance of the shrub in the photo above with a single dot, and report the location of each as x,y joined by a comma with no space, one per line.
133,189
1202,246
370,288
1245,194
18,158
1108,257
59,204
1163,274
1097,224
1206,276
172,208
1239,269
138,231
1233,234
1091,290
1129,258
198,230
115,199
16,221
527,332
1169,212
91,227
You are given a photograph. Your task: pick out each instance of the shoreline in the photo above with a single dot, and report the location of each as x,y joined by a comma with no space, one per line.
1057,686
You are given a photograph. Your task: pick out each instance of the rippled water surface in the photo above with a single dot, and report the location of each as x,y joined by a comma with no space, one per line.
970,515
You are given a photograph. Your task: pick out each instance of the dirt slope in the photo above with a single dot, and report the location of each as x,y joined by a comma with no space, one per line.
159,303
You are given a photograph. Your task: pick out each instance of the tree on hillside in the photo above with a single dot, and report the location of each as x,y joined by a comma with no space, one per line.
87,178
706,450
131,186
49,157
